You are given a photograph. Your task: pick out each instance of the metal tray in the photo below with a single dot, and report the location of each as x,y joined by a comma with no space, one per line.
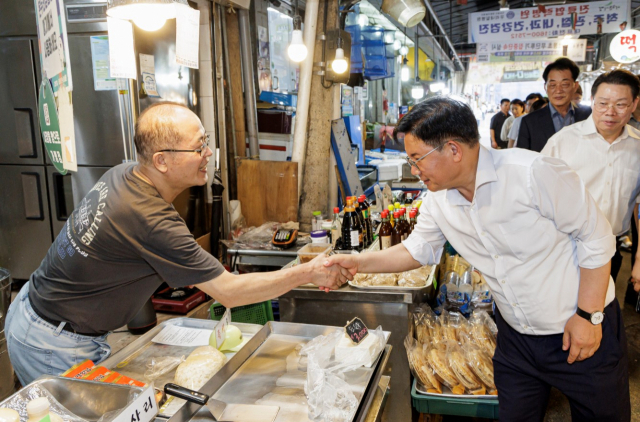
88,400
132,360
446,392
265,372
428,283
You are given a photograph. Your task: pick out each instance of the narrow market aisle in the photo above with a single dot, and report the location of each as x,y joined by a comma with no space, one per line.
558,409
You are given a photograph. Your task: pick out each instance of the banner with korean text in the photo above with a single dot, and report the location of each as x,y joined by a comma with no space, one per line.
531,51
595,17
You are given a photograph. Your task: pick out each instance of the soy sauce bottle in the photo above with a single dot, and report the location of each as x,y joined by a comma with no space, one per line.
352,234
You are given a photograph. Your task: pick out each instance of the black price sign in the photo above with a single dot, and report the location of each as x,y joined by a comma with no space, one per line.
356,330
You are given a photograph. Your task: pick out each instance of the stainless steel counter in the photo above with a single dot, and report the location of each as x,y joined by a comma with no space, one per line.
390,309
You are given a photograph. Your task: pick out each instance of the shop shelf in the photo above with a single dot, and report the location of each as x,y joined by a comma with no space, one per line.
479,408
257,313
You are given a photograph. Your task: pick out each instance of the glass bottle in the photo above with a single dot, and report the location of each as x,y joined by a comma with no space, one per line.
385,231
366,215
336,227
351,228
365,238
396,233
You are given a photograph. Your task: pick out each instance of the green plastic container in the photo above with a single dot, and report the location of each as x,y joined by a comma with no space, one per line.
479,408
257,313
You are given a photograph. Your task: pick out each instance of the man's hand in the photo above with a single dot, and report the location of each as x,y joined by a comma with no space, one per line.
328,276
581,338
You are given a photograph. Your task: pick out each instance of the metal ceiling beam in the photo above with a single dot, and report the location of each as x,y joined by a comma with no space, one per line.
456,59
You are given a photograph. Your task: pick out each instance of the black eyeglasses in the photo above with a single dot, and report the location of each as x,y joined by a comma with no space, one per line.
201,151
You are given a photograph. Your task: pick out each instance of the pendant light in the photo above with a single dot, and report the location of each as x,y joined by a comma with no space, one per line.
297,51
339,64
149,15
417,90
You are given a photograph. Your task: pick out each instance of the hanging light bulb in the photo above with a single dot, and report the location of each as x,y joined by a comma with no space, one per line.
149,15
417,90
404,50
297,51
363,20
339,64
397,44
404,72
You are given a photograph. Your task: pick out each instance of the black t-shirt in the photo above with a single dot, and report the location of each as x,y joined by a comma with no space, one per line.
497,121
121,242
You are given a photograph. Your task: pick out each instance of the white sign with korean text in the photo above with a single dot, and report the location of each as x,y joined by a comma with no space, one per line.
531,51
624,46
122,59
221,328
53,43
553,21
187,36
143,409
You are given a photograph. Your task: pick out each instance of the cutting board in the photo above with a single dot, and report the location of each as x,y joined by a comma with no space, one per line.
268,191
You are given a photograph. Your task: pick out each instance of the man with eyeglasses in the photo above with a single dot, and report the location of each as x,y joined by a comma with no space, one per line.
529,225
122,241
605,152
560,83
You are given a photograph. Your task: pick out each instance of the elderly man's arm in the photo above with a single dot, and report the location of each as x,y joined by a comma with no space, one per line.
236,290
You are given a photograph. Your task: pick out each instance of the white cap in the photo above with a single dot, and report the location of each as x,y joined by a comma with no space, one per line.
39,406
9,415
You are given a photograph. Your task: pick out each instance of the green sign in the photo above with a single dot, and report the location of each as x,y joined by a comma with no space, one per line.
50,125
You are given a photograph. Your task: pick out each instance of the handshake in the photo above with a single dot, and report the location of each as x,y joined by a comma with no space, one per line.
331,272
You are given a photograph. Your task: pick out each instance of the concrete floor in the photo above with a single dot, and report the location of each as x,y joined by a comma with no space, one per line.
558,408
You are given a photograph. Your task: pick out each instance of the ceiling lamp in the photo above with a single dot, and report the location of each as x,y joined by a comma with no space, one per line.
397,44
404,72
339,64
297,51
407,12
404,50
149,15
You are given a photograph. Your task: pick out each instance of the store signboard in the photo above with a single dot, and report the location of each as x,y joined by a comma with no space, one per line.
531,51
624,46
494,73
53,43
552,21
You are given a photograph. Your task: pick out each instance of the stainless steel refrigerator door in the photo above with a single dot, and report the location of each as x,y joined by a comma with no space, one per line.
17,17
66,192
96,113
20,135
25,236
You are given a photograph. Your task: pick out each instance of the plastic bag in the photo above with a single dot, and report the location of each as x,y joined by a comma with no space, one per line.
420,367
424,320
329,397
482,332
458,364
414,278
480,363
160,365
461,327
437,358
481,298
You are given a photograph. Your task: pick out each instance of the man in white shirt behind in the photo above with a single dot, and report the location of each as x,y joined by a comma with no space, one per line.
527,222
605,152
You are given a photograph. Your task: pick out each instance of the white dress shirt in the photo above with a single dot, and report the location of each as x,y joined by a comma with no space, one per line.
529,229
506,127
611,172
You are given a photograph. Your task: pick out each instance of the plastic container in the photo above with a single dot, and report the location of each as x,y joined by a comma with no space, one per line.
479,408
311,250
9,415
257,313
319,237
39,408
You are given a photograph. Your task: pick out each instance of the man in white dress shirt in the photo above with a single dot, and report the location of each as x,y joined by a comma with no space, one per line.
527,222
605,152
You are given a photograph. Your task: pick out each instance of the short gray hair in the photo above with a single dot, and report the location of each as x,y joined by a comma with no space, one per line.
157,129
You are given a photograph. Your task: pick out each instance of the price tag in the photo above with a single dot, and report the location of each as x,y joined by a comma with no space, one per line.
142,409
221,328
356,330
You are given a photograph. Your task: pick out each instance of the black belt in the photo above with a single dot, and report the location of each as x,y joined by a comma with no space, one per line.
67,326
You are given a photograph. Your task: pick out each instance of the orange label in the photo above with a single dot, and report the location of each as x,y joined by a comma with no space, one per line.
80,370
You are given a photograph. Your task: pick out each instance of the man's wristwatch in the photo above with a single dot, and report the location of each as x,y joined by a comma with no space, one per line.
595,318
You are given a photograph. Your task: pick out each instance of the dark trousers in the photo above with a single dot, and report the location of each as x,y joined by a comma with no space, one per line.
616,261
526,367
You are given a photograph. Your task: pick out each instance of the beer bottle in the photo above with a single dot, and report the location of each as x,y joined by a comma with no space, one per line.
351,228
385,231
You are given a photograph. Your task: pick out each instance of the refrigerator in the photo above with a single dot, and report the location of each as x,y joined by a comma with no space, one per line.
35,200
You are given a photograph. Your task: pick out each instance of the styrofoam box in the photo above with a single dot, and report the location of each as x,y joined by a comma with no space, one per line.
274,146
388,169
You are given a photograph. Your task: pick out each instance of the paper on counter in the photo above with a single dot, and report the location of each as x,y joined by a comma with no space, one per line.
183,336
